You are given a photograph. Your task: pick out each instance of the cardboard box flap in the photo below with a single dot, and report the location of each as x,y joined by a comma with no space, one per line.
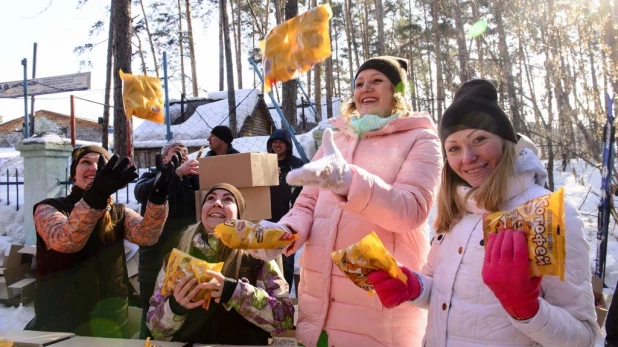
13,258
242,170
28,250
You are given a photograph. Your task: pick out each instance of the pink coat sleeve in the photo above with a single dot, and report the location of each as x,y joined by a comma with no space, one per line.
405,204
300,217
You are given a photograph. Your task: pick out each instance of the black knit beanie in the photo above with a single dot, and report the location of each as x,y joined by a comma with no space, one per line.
240,201
475,106
224,133
80,152
394,68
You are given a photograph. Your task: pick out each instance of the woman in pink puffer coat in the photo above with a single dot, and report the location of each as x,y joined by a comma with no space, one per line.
378,173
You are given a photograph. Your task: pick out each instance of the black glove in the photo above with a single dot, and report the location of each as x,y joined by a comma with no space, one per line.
110,177
163,179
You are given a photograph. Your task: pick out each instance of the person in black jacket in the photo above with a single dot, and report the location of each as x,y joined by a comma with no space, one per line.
220,141
184,183
611,323
282,197
81,266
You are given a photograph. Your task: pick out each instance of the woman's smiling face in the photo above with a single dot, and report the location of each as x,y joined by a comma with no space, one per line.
219,206
473,154
373,93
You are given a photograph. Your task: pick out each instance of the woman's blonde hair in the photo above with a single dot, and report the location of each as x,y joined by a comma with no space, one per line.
400,105
106,224
451,207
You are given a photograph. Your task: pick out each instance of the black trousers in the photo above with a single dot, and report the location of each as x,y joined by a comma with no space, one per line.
288,269
145,292
611,323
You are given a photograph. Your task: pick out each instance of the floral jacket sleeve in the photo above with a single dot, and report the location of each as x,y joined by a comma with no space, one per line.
267,304
145,231
70,234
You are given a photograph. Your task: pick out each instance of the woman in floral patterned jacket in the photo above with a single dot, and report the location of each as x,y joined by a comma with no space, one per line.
250,298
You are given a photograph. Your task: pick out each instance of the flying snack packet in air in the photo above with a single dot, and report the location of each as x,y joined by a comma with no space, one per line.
295,45
542,220
181,265
241,234
142,97
369,254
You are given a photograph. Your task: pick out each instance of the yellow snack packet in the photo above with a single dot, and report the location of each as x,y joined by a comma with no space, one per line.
295,45
369,254
242,234
542,220
142,97
181,265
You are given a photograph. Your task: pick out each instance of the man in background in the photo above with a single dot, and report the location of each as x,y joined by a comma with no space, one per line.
220,141
185,182
282,197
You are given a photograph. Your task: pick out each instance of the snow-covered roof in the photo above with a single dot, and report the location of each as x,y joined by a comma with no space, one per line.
302,109
199,125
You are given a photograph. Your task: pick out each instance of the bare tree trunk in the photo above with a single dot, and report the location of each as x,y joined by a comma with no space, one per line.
479,45
231,97
549,74
239,55
141,53
122,61
289,88
365,30
181,44
317,80
277,11
221,54
329,74
152,50
352,36
518,122
438,55
191,48
237,42
108,80
412,74
380,20
348,34
338,79
610,40
464,75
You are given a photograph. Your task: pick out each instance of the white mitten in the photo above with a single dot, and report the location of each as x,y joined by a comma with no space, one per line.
268,254
331,171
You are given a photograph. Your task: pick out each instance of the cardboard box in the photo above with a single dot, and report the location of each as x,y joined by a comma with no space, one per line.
601,300
257,200
15,267
241,170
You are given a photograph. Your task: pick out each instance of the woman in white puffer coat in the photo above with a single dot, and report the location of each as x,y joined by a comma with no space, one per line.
483,295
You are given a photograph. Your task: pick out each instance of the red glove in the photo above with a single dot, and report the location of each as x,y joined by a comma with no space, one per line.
391,291
506,271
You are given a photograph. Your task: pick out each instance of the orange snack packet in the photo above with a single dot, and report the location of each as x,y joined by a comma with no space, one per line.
542,220
242,234
369,254
142,97
181,265
295,45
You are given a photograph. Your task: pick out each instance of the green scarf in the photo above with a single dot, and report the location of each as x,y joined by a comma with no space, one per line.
369,122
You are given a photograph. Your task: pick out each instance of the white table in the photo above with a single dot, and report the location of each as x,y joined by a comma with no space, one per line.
83,341
27,338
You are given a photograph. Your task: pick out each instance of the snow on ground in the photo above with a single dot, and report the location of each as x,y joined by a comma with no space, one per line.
580,181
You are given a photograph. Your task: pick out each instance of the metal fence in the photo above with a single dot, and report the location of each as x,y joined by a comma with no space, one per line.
8,185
